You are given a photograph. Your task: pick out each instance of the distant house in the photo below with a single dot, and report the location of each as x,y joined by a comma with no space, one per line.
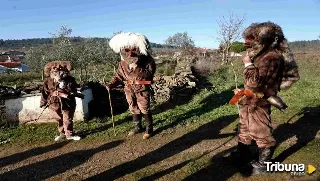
233,54
11,61
21,68
16,53
204,52
11,56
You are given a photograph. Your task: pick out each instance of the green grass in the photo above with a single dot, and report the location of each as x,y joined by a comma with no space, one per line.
202,109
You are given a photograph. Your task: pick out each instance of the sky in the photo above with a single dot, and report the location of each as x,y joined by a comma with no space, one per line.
157,19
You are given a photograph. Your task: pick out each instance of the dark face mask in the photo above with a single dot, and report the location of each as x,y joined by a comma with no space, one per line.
131,55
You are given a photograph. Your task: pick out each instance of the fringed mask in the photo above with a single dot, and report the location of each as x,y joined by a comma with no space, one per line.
58,74
130,54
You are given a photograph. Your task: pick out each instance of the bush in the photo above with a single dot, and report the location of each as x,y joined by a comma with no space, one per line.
18,78
205,66
237,47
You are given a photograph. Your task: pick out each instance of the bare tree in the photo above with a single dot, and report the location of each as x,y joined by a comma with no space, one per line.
229,31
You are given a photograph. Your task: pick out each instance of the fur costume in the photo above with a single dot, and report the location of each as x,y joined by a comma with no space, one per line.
273,67
57,93
136,70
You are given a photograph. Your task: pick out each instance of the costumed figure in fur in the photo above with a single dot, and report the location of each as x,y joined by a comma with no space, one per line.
136,71
58,94
269,68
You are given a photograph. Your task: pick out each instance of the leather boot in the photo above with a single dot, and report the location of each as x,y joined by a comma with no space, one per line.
138,127
241,157
265,155
149,126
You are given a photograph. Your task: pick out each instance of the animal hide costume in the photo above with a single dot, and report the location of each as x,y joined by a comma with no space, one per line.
273,68
136,70
58,93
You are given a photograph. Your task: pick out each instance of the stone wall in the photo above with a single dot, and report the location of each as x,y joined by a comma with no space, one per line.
26,108
182,83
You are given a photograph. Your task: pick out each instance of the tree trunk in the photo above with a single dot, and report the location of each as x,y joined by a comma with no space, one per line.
227,56
86,72
80,74
42,75
223,56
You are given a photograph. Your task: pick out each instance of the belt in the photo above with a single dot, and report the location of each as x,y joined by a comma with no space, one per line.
138,82
235,99
58,93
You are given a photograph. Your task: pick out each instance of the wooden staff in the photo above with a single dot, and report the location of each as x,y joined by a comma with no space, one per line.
236,82
112,117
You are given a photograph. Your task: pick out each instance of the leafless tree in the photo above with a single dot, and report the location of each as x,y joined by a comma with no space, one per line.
229,31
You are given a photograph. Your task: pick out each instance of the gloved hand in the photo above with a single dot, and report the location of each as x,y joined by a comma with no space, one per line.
108,86
43,104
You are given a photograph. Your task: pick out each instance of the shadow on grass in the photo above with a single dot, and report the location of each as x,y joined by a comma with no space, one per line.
218,169
18,157
48,168
209,103
207,131
305,129
85,133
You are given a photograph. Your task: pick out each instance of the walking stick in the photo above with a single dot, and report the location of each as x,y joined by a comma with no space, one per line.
236,82
114,131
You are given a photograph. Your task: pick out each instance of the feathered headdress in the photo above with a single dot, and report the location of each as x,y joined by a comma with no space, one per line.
63,64
127,40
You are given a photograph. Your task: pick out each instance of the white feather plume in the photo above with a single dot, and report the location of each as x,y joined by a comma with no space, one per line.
127,40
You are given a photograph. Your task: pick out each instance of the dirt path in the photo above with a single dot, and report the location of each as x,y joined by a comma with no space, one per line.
126,158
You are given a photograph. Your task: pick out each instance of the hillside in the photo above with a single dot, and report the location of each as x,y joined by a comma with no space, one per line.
33,42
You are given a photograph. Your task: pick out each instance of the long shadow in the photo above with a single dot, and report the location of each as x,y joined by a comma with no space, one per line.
48,168
182,164
217,170
207,131
85,133
305,129
209,103
18,157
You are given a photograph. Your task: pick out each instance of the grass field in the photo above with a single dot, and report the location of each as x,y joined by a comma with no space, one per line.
191,138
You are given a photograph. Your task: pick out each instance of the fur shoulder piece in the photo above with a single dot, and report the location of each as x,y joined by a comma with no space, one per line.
265,33
126,40
50,65
270,35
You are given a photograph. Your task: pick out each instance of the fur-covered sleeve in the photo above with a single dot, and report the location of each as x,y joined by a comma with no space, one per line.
44,92
119,77
265,71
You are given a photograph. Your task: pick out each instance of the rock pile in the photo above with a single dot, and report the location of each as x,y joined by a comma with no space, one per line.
182,83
